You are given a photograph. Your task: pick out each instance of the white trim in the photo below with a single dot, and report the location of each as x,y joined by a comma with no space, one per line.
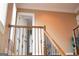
69,53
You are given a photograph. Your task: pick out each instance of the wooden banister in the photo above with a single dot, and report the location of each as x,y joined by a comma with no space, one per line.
20,26
55,44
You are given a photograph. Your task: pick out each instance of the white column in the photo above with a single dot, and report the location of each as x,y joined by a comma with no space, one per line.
37,38
34,43
40,48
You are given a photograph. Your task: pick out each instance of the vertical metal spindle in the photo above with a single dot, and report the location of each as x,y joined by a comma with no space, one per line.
22,39
75,53
46,51
29,42
41,39
26,41
45,45
19,42
55,52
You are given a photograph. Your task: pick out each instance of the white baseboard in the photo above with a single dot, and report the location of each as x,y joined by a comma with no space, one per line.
69,53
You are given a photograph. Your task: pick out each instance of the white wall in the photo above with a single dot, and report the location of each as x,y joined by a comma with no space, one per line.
3,12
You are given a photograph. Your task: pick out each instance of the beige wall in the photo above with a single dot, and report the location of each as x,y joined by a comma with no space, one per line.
59,25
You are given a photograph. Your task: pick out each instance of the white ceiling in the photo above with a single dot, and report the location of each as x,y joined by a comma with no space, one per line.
57,7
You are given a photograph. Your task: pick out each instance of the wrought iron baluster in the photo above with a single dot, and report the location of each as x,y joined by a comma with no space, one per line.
19,42
25,41
41,40
22,39
28,41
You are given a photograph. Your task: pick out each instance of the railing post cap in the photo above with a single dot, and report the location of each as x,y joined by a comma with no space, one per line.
44,27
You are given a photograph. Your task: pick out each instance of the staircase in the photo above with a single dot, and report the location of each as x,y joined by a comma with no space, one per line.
55,48
40,45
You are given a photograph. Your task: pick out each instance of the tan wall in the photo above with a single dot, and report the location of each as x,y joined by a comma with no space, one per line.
59,25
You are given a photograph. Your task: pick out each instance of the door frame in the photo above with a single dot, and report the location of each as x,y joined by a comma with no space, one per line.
33,24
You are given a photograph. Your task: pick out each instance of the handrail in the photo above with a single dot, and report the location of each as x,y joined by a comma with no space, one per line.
20,26
76,27
54,43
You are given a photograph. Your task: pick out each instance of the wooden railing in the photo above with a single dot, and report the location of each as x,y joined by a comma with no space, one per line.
22,32
58,49
39,43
